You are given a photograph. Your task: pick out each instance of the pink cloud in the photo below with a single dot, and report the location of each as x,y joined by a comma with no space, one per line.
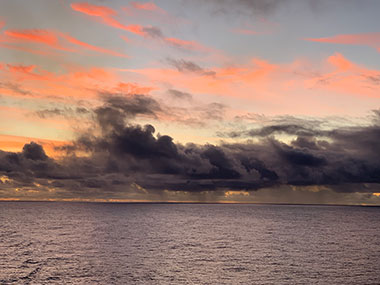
92,47
340,62
332,85
51,39
301,86
143,9
45,37
75,82
149,6
245,32
346,77
368,39
27,69
93,10
106,15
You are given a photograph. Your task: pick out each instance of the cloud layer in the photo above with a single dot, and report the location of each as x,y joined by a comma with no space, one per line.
189,100
119,158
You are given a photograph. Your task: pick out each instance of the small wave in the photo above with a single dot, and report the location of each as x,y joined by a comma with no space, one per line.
31,274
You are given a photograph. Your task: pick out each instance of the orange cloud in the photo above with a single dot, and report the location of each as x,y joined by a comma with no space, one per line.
93,10
267,84
334,85
136,29
76,83
52,39
242,81
24,72
21,68
106,15
347,77
39,87
16,143
92,47
132,88
339,61
2,24
369,39
38,36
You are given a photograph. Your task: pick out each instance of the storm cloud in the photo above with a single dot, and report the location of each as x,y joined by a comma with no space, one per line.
121,156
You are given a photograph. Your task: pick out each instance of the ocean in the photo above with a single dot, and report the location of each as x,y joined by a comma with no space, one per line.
121,243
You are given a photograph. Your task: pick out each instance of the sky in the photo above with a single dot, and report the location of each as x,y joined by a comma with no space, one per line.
190,101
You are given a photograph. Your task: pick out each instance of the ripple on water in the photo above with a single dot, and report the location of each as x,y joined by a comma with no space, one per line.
74,243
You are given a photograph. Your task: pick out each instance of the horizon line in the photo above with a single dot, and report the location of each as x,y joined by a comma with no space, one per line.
191,202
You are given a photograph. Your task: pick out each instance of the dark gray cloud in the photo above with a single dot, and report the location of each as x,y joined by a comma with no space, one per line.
214,111
117,109
372,79
46,113
121,154
269,7
180,95
34,151
188,66
291,129
15,88
156,33
153,32
64,112
248,6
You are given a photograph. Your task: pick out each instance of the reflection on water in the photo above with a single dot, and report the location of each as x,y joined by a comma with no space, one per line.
71,243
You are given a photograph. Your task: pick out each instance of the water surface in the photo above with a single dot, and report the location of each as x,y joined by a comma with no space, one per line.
90,243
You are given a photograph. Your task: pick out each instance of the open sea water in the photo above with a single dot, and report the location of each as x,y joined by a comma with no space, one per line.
105,243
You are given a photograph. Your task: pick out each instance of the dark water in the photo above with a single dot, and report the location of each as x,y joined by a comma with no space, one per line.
84,243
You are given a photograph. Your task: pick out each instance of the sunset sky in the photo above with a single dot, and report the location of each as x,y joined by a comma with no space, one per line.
274,101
